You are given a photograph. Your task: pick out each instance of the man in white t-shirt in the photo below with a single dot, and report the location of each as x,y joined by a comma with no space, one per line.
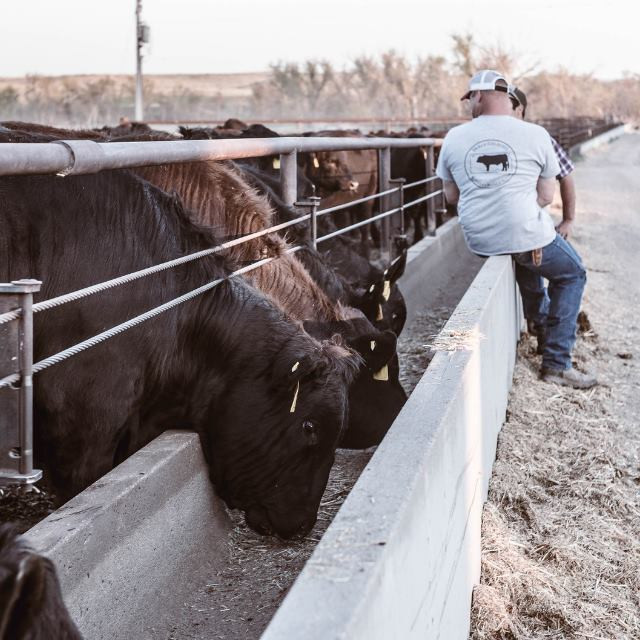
501,172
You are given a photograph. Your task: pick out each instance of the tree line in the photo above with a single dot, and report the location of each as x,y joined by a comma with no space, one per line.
387,86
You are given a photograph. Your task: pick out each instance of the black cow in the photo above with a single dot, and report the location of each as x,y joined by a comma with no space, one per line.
31,605
268,401
344,176
376,395
267,165
340,270
410,163
490,160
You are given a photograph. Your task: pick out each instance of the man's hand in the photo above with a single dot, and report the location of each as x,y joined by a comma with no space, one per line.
564,228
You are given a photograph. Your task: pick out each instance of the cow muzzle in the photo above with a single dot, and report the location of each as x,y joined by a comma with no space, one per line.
287,527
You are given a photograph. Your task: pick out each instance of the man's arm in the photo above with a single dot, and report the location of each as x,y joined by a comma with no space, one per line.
451,191
567,189
545,189
568,195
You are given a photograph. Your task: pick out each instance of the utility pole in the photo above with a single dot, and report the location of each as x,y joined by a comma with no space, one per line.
142,37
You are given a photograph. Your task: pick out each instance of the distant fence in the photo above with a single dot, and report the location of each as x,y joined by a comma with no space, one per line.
572,131
567,131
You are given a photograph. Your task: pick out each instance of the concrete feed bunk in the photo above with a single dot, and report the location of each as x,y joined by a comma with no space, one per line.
402,554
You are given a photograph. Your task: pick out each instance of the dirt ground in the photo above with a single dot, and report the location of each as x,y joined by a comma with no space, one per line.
561,528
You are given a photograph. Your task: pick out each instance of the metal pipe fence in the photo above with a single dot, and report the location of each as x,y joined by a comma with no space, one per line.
73,157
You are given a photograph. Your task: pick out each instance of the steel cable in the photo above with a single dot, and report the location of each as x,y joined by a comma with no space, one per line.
116,282
114,331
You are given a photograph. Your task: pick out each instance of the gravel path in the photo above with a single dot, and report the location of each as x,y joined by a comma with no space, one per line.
561,528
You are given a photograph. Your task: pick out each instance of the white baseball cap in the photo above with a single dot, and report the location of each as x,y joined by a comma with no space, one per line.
487,80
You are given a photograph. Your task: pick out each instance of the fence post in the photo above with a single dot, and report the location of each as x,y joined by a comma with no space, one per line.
430,172
311,203
399,233
16,404
384,177
289,177
442,210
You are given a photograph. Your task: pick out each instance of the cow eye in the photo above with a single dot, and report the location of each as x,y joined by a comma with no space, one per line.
310,431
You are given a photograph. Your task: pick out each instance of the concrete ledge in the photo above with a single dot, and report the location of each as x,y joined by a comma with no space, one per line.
402,555
127,547
430,264
579,150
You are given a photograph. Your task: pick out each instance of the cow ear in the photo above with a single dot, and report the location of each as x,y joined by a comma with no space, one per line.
376,348
368,300
395,270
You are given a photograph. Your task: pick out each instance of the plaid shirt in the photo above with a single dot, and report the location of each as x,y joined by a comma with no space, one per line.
566,166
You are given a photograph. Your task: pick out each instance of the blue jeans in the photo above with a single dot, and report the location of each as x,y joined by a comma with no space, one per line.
557,309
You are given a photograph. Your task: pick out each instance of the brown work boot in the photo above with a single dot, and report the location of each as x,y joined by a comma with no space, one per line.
569,378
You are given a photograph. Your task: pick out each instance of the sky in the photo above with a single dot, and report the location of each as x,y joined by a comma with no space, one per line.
57,37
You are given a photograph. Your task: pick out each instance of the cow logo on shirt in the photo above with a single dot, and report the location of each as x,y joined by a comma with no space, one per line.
490,163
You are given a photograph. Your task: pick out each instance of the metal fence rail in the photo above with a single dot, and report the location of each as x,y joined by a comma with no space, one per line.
85,156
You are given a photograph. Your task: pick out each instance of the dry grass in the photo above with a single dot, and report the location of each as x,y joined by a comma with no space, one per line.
561,528
414,354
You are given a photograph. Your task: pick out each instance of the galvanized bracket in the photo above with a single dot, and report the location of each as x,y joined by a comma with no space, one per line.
430,172
384,176
311,203
289,177
16,401
87,156
399,234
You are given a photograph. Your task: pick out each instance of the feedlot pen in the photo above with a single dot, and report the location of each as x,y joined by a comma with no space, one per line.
132,546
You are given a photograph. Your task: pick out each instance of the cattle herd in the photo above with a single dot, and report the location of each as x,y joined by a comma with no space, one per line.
274,370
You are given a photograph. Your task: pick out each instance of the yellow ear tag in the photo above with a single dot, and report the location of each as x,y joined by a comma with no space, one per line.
316,164
373,345
382,375
380,315
276,163
387,290
295,366
295,398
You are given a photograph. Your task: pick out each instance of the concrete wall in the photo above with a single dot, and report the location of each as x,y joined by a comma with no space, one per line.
127,547
432,263
402,555
581,149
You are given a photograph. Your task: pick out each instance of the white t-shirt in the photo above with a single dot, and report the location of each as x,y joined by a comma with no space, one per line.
495,162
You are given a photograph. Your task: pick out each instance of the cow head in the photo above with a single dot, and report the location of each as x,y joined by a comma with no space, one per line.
328,170
375,394
31,602
274,442
381,301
